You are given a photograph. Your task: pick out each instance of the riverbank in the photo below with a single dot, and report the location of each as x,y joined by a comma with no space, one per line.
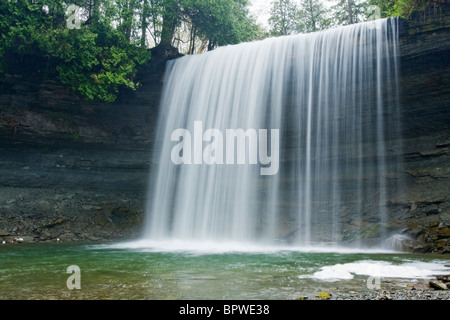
436,288
397,295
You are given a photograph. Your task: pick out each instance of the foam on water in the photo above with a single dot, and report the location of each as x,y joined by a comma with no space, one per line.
224,247
382,269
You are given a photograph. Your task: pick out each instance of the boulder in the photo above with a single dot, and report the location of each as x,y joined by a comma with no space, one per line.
444,233
27,239
435,284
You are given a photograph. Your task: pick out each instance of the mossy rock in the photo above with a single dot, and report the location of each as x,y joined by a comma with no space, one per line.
371,232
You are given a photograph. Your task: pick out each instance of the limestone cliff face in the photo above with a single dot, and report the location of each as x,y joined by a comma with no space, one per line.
77,170
425,111
80,163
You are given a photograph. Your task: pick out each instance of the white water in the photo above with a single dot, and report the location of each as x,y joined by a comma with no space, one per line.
326,93
382,269
227,247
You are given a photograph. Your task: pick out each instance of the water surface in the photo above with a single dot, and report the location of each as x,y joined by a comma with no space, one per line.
137,271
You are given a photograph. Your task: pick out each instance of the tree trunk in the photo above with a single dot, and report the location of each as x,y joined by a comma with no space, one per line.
351,19
144,22
193,35
128,19
211,45
95,14
170,19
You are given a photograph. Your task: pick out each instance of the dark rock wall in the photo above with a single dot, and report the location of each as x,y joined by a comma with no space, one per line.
425,111
81,163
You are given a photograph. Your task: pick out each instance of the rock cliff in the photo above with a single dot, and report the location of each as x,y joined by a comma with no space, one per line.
425,111
72,169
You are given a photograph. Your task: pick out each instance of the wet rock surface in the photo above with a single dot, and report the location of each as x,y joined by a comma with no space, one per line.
51,215
424,209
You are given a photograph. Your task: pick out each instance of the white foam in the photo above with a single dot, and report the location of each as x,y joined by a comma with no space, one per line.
221,247
382,269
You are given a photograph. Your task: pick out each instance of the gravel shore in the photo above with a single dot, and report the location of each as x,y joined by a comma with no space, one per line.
431,289
397,295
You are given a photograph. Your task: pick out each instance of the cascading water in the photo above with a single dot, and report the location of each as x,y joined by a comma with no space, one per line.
316,108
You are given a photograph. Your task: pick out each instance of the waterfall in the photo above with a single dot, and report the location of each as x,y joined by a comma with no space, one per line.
279,140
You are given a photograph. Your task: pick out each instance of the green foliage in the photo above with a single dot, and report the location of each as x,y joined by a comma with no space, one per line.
222,22
21,24
349,11
94,61
312,16
93,68
103,56
290,17
302,16
75,136
404,8
284,18
387,7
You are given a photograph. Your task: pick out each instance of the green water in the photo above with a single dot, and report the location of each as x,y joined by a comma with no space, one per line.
38,271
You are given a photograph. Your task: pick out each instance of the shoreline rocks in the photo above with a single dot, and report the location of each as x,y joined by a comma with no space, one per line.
397,295
48,215
433,289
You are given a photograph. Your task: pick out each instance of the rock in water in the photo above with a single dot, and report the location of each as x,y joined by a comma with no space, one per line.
438,285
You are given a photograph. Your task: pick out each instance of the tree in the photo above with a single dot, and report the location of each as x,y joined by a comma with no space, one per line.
221,22
145,15
284,18
312,16
95,61
349,11
102,54
386,7
288,18
127,12
404,8
170,12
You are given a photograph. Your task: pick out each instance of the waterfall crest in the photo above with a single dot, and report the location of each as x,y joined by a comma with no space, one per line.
329,95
